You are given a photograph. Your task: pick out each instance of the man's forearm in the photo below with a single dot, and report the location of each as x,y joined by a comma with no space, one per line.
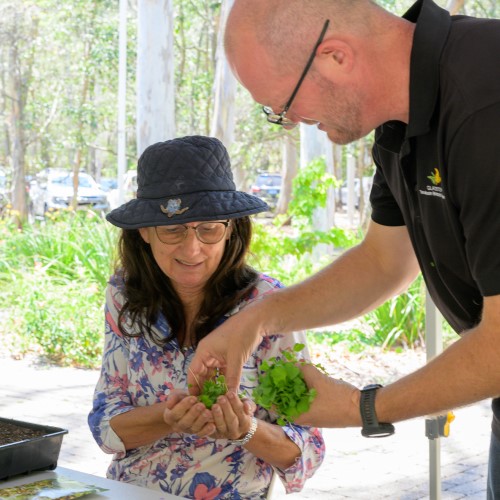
466,372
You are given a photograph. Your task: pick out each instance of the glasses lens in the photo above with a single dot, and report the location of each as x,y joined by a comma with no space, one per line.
211,232
171,234
206,232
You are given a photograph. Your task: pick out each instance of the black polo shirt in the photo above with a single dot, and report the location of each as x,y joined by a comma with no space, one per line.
440,174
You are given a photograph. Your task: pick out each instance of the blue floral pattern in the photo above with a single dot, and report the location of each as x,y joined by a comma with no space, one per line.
137,372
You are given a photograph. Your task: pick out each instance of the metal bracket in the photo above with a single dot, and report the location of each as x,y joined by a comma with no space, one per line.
439,426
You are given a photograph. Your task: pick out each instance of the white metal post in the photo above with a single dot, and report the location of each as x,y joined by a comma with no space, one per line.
434,345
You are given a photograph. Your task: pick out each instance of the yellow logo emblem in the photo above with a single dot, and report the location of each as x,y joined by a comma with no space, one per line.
435,178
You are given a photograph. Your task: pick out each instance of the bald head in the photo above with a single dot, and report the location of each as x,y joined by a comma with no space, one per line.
268,43
288,29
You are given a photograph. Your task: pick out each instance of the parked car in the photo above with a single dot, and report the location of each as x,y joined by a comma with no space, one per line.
52,189
267,186
3,181
108,183
129,190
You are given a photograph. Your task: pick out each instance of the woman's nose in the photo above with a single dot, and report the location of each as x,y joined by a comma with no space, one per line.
191,242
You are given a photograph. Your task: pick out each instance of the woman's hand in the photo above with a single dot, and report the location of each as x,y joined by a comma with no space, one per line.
232,416
185,414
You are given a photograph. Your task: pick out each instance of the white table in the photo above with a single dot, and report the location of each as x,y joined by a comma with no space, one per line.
115,489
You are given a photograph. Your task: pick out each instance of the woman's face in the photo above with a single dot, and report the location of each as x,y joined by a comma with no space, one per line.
190,263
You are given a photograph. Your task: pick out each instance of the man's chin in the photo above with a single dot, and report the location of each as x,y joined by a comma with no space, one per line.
339,139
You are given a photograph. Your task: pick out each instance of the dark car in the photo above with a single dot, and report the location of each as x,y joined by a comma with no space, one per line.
267,186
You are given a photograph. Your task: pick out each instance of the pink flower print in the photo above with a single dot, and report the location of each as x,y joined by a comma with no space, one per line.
203,493
119,381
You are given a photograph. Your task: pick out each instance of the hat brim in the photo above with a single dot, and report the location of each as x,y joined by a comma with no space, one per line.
209,205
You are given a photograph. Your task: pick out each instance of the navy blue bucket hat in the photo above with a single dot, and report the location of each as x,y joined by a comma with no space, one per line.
184,180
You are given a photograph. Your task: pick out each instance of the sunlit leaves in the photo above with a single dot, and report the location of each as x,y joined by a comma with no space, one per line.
212,389
282,388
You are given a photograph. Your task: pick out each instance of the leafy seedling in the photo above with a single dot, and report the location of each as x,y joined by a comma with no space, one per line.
282,388
212,389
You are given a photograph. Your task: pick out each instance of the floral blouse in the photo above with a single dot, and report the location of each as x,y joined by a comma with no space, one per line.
137,372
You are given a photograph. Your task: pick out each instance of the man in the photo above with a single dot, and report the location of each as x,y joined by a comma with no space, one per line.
430,86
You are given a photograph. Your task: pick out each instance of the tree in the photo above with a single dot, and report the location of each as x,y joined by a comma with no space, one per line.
155,73
18,30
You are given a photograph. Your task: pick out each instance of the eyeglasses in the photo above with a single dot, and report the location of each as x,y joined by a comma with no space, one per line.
206,232
281,119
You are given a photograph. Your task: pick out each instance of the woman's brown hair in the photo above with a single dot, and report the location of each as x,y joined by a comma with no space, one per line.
149,292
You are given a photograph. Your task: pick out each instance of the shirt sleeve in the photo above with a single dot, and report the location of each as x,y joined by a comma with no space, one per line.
111,396
385,210
308,439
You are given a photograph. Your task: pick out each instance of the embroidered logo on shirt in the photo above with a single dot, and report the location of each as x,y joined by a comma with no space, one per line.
173,208
435,178
434,189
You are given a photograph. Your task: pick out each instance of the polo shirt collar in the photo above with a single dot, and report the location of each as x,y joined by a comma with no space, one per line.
431,31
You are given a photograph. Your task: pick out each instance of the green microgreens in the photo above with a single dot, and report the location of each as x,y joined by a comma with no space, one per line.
212,389
282,388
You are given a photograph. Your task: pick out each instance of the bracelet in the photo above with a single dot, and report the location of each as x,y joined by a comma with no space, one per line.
249,435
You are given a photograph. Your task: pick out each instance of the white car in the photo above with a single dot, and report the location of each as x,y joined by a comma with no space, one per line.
53,189
129,190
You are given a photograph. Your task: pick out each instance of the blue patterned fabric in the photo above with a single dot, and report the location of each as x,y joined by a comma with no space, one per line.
136,372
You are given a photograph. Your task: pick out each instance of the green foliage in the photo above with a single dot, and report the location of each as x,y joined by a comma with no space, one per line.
310,190
68,245
53,277
61,320
284,251
400,321
282,388
212,389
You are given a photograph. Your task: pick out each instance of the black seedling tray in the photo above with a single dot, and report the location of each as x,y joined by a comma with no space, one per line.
40,452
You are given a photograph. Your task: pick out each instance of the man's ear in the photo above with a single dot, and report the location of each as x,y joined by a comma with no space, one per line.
334,58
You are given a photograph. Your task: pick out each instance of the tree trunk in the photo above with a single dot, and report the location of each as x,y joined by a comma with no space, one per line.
224,95
289,171
16,133
313,144
155,73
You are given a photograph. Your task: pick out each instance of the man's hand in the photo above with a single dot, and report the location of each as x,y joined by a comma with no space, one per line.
336,403
226,348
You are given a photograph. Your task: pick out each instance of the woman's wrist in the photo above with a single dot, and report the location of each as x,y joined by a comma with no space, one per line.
249,435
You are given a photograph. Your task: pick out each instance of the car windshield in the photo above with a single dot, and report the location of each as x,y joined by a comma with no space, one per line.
269,180
67,180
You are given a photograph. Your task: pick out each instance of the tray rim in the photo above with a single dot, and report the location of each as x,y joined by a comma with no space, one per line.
49,431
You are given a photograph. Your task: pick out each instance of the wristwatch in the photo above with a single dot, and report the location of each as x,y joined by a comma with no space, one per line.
371,426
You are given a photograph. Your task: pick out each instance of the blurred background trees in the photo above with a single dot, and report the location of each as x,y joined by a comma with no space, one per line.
59,86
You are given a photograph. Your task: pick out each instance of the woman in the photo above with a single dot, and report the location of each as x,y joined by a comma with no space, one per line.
182,272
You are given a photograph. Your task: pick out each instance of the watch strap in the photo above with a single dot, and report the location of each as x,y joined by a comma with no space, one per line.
371,426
